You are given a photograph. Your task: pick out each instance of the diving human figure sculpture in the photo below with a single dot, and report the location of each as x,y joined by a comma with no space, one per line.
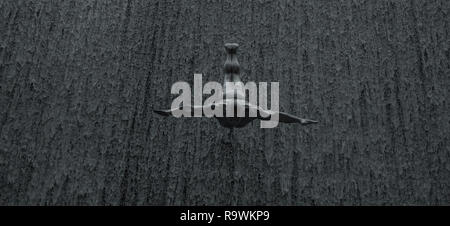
237,99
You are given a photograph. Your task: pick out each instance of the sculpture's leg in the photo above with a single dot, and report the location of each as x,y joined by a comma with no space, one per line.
231,68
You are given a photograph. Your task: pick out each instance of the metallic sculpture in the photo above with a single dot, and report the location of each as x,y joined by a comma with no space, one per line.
232,74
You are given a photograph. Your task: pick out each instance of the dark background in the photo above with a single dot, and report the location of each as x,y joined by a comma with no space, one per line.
79,80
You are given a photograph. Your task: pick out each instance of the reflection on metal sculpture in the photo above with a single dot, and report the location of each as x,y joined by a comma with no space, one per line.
237,99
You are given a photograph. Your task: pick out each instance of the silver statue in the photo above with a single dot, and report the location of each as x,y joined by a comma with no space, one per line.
232,74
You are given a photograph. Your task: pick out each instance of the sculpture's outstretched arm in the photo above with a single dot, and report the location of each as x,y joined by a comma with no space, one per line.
282,117
168,112
288,118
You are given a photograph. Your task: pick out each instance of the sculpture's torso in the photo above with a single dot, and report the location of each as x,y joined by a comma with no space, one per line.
234,121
